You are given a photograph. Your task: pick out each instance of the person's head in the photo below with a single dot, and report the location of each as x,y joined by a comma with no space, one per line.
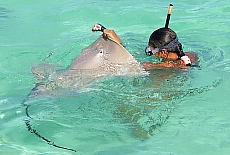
164,39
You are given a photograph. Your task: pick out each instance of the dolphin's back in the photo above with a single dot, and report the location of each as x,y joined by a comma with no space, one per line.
106,56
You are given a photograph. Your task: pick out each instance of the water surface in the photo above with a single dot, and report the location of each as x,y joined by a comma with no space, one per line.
170,111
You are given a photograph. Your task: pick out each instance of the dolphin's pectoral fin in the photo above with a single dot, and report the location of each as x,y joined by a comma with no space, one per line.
44,75
42,71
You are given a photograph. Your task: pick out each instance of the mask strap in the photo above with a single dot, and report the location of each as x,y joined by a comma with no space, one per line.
171,44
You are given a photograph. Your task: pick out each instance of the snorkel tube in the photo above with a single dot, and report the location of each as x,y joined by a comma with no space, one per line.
168,16
183,57
148,50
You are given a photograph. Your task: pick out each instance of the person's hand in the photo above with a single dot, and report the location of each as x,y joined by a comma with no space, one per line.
106,32
162,54
111,35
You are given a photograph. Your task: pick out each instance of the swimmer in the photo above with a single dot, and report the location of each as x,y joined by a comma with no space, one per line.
163,43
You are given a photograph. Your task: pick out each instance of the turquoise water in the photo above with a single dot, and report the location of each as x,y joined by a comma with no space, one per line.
167,112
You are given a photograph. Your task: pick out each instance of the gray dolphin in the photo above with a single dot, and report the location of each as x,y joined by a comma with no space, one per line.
101,58
106,57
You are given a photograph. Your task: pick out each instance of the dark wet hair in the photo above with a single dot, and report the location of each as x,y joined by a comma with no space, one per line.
162,37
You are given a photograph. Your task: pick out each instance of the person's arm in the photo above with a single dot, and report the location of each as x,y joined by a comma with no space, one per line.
171,64
166,64
111,34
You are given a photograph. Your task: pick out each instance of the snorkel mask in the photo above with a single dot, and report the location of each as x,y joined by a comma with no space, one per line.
150,50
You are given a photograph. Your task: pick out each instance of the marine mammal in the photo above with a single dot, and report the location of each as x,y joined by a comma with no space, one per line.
107,57
102,57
